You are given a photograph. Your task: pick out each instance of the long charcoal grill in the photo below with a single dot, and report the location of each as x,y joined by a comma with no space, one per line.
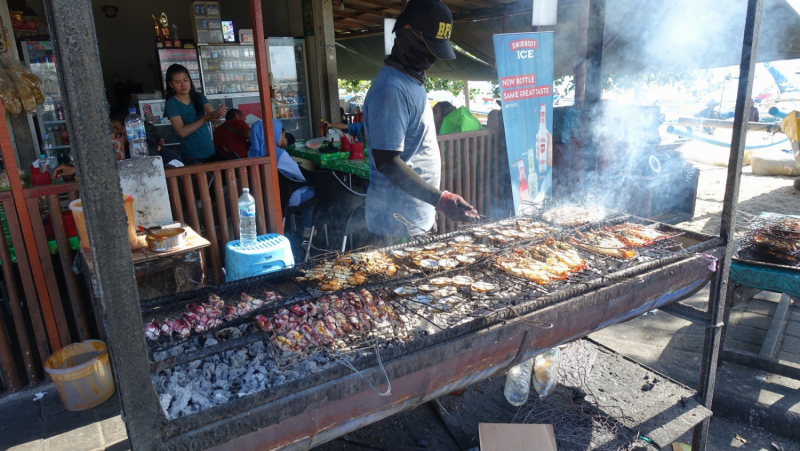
517,321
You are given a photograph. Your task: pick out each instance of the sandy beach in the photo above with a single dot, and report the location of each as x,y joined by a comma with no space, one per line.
757,193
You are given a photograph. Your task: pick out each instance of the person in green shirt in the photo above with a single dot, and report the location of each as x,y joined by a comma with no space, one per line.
189,111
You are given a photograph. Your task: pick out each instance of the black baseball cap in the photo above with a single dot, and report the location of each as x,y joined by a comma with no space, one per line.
433,19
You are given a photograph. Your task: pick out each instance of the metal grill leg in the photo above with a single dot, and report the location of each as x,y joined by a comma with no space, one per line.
720,283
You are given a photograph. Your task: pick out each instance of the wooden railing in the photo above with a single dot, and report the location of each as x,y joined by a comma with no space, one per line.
188,185
475,166
13,271
51,196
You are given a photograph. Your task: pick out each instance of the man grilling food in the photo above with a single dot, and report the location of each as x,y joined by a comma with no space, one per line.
405,167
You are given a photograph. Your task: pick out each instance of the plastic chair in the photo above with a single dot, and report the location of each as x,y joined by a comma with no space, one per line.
336,202
287,188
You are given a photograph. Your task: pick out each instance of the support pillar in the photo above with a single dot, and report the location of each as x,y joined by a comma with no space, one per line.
81,81
593,91
325,84
594,53
273,214
720,284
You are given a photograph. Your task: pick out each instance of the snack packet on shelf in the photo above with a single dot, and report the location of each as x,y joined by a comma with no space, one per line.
27,98
8,95
24,77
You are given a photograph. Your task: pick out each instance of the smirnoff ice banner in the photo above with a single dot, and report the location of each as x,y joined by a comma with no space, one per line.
525,74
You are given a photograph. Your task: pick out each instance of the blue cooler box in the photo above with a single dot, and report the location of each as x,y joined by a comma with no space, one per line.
270,253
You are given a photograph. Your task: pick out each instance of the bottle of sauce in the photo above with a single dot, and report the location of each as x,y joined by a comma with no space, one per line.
64,135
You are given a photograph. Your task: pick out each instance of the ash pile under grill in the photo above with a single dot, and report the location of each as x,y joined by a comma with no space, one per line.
258,334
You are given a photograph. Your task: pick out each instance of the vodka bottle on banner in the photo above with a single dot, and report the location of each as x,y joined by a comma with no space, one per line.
542,141
137,137
518,383
545,372
523,183
247,219
533,180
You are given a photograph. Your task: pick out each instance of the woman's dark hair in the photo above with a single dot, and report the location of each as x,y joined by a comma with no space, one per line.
174,70
153,138
445,108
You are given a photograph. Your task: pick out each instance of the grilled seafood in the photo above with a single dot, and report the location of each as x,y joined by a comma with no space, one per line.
349,270
263,323
637,235
405,291
182,328
573,216
603,243
788,246
328,320
152,330
791,225
483,287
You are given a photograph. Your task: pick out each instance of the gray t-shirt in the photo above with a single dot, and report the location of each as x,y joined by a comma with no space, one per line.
398,117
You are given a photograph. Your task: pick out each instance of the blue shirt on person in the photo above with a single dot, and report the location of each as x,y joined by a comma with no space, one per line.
198,145
355,128
398,118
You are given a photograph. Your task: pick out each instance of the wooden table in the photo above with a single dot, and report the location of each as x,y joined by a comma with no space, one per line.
748,279
157,273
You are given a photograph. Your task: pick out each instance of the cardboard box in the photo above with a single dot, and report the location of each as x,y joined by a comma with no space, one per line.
516,437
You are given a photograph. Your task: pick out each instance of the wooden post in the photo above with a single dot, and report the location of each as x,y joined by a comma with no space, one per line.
273,196
326,58
466,94
81,81
581,43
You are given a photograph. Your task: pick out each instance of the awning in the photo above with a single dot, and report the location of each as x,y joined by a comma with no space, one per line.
641,36
362,58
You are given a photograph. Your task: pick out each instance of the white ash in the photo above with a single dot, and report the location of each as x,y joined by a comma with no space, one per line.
249,369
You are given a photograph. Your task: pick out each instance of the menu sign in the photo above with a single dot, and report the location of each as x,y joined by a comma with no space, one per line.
525,74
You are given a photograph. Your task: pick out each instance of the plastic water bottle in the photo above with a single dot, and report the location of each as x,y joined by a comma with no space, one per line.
49,153
42,164
137,136
247,219
518,383
545,372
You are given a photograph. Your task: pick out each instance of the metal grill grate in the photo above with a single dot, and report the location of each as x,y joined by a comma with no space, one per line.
512,296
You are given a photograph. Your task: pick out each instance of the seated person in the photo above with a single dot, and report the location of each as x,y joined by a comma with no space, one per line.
169,155
440,111
233,134
494,119
286,166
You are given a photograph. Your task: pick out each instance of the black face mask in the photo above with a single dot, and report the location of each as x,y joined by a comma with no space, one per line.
411,52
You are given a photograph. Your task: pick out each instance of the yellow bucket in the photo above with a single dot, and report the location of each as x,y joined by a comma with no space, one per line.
81,374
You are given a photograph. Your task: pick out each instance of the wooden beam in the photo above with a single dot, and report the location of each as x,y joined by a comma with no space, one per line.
388,6
358,18
354,26
359,34
483,3
368,11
